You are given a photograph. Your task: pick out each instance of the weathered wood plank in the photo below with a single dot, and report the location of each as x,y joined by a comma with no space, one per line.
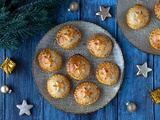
88,13
19,80
36,98
22,83
2,82
134,87
156,84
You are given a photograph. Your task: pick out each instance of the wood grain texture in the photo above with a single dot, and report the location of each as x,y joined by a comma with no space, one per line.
156,83
2,82
133,87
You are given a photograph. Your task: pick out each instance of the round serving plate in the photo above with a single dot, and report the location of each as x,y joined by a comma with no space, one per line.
139,38
69,104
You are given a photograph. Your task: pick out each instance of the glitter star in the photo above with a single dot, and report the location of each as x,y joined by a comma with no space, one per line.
86,92
140,17
59,85
24,108
104,12
143,69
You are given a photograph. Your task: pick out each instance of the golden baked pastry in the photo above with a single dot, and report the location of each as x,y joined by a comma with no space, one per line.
137,17
155,38
50,60
68,37
78,67
157,10
107,73
58,86
99,45
86,93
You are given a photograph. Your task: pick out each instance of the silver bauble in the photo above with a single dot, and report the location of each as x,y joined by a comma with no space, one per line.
5,89
73,6
131,107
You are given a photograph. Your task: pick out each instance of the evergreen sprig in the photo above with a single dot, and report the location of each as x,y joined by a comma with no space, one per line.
20,19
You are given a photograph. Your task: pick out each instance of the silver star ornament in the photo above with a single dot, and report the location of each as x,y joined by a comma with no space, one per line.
143,70
104,12
24,108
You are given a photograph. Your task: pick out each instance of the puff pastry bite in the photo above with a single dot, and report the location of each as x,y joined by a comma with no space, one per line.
155,38
78,67
50,60
86,93
68,37
157,10
107,73
99,45
58,86
137,17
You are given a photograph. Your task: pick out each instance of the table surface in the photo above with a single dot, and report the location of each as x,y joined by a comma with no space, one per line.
133,88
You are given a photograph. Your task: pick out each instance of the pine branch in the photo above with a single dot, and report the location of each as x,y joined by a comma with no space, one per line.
39,4
21,19
8,42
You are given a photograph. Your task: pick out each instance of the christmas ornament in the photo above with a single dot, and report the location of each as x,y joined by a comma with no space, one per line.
155,94
8,65
131,107
143,69
104,12
5,89
24,108
74,6
21,19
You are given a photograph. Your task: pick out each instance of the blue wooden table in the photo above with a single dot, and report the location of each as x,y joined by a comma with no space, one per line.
133,88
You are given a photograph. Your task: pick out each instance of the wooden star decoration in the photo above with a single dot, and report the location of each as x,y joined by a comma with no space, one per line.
104,13
143,70
24,108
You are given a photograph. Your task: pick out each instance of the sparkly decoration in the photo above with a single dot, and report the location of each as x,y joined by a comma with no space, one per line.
143,69
104,12
131,107
24,108
5,89
74,6
155,94
8,65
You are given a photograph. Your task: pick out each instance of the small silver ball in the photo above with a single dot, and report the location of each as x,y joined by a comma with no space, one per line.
131,107
73,6
5,89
